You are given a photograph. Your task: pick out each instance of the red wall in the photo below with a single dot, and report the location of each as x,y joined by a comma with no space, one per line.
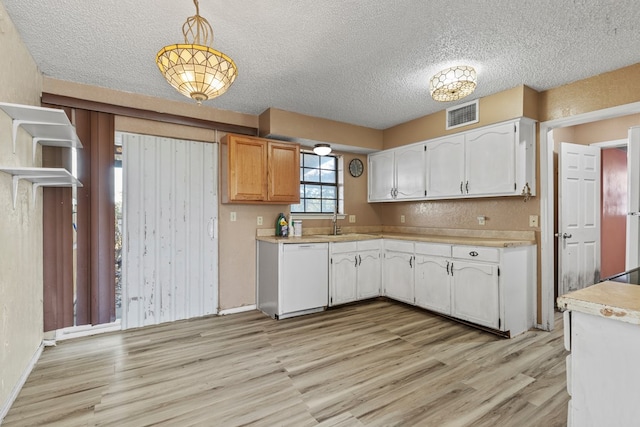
614,211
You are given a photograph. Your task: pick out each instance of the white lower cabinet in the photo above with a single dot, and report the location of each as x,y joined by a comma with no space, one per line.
355,271
487,286
397,270
475,295
432,279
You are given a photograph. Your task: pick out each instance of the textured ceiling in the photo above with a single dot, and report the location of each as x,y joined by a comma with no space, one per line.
362,62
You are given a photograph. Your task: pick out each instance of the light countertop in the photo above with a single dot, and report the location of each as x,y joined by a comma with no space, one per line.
613,300
453,240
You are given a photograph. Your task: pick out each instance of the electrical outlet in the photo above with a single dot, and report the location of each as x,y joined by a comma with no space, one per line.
533,220
259,220
233,216
481,220
402,219
352,218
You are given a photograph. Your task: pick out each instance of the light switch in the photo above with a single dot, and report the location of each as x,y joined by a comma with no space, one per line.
233,216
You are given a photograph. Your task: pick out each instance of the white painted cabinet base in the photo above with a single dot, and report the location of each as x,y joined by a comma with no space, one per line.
603,374
486,286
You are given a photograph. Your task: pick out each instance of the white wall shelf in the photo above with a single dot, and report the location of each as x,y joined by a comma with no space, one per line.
40,177
47,126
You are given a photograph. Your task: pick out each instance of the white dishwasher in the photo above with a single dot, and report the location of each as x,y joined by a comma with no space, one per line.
293,278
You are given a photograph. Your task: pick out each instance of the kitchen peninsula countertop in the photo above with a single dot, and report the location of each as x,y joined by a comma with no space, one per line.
612,300
507,240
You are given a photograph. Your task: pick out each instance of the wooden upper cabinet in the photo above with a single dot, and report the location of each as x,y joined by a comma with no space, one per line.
258,170
284,172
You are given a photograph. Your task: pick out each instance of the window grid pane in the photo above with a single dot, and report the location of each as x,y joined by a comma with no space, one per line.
318,184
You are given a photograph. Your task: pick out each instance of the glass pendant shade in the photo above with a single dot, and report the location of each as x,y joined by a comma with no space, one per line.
196,70
453,83
322,149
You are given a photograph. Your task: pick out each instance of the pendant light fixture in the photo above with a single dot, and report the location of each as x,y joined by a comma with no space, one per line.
453,83
322,149
193,68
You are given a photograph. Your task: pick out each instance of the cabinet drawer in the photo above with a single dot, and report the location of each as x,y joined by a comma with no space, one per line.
477,253
341,247
365,245
399,245
435,249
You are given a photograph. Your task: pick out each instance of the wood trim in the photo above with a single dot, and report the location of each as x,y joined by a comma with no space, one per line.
83,220
119,110
57,245
58,258
95,219
102,246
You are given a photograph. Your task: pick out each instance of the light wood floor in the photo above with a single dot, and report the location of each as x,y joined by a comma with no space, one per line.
377,363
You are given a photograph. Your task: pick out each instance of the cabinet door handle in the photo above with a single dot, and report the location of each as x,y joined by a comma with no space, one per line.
473,253
461,192
467,187
447,268
359,260
356,259
451,269
410,262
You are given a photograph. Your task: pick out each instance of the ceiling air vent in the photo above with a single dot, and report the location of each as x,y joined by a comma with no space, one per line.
462,115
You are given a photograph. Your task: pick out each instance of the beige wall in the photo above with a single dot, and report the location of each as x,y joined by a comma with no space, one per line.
509,104
618,87
293,125
603,130
21,321
506,213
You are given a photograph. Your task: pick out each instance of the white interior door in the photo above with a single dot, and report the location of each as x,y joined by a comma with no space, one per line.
633,202
170,246
578,217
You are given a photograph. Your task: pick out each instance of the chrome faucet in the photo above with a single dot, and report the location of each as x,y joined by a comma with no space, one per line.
336,228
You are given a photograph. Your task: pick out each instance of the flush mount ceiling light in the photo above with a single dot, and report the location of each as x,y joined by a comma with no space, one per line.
322,149
193,68
453,83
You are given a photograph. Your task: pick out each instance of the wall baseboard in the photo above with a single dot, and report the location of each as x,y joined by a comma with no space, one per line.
236,310
86,330
4,409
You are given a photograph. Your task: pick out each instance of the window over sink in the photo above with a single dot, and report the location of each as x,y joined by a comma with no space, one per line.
321,184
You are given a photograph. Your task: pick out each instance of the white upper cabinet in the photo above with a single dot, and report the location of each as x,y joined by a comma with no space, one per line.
445,166
490,160
397,174
381,176
495,160
410,167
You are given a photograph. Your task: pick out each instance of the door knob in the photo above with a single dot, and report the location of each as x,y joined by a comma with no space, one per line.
566,235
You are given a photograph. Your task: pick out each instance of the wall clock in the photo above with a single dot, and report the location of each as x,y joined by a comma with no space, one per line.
356,168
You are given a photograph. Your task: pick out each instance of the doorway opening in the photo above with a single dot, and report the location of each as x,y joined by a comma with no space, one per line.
548,200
